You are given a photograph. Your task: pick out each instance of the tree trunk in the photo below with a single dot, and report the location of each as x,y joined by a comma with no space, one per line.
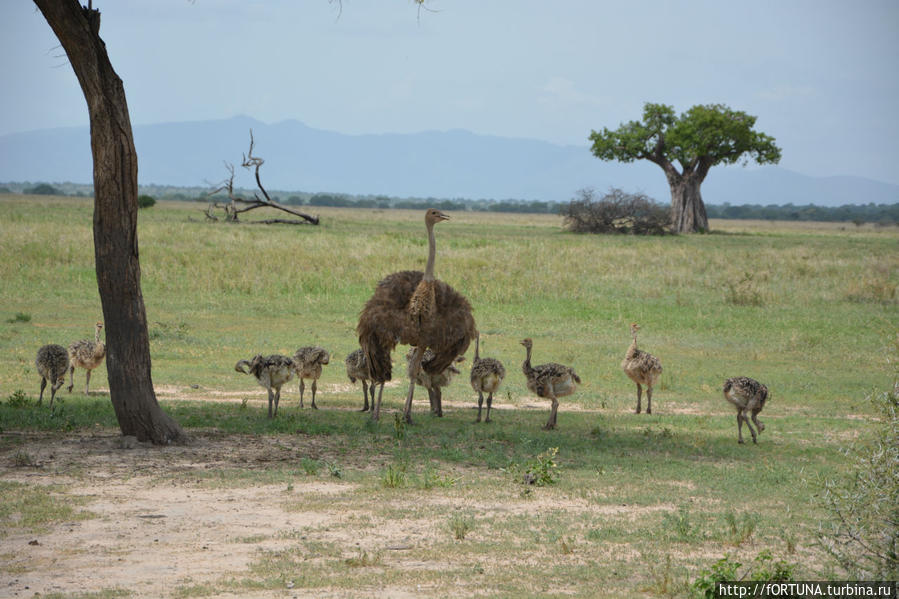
115,224
687,209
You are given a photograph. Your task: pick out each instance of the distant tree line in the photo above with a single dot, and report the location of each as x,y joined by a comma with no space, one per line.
881,214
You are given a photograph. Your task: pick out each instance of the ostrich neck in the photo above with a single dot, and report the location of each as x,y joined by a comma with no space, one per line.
526,365
477,346
432,252
633,348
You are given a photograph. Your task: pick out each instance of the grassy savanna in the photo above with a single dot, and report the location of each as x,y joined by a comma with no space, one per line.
641,504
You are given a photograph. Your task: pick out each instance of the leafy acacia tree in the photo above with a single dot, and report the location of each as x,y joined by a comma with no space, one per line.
115,224
697,140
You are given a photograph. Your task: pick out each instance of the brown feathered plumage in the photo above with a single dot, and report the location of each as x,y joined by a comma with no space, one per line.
749,397
385,322
413,308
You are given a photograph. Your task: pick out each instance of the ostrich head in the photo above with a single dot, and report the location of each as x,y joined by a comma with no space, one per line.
528,343
323,356
634,328
434,216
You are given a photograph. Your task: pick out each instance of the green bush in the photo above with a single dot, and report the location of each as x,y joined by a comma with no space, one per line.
764,568
145,201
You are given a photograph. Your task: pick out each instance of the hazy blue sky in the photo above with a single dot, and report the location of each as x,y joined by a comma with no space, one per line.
821,75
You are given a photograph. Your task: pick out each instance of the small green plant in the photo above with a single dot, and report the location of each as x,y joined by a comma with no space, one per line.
19,317
706,585
18,399
540,471
363,560
764,568
680,525
430,478
740,529
460,525
394,476
399,427
334,469
310,467
23,459
665,582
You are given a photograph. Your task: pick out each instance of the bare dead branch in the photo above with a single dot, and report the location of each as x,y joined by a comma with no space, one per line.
239,205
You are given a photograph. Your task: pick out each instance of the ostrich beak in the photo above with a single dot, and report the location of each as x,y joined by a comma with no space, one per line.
443,216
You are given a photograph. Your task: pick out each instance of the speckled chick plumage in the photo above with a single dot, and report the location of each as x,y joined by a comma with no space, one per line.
357,369
640,366
52,363
643,368
271,372
550,381
487,375
748,396
86,354
309,361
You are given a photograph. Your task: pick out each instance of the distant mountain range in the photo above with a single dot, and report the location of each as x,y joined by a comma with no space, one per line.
439,164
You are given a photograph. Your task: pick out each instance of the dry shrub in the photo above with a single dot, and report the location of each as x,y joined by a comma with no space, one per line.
862,533
616,212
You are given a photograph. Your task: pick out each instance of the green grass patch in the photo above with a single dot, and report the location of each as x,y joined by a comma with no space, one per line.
656,500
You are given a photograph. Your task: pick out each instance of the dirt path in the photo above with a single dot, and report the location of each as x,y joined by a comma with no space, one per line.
153,532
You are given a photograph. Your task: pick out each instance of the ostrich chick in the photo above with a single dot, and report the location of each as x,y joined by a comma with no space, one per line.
643,368
357,368
270,372
86,354
52,363
748,396
550,381
433,382
309,361
487,375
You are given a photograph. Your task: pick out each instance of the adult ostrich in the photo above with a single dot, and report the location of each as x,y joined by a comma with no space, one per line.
414,308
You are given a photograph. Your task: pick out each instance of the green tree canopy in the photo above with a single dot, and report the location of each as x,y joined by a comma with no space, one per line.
697,140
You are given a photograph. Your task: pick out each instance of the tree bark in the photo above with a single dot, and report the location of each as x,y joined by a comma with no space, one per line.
115,224
688,213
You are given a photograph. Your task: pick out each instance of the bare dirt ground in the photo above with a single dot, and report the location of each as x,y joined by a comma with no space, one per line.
153,533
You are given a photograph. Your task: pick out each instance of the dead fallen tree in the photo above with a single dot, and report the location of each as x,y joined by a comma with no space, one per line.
238,205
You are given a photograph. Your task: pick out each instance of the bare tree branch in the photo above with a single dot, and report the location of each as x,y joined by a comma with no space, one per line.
233,209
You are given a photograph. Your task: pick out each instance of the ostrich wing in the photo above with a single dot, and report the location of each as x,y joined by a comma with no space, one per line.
450,331
384,321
